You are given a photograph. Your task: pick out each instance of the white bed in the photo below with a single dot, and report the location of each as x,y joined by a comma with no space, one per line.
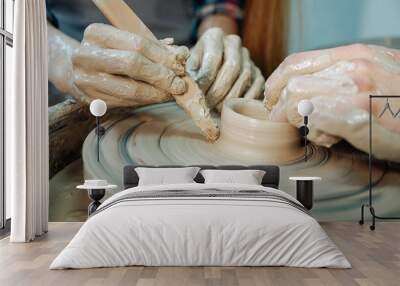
249,225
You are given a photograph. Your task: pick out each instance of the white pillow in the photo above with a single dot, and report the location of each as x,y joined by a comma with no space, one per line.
165,176
247,177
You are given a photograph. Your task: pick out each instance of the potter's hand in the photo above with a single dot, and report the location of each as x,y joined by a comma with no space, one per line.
223,68
60,48
338,82
125,69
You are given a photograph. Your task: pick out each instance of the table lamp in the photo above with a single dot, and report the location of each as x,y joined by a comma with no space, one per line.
98,108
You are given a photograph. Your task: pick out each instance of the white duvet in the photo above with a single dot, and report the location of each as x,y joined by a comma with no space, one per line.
200,231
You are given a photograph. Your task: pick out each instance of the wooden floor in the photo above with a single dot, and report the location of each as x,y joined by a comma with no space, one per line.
375,257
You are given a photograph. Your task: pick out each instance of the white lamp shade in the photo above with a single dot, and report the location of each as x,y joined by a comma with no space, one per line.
305,107
98,107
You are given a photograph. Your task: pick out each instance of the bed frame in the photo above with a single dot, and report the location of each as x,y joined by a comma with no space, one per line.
271,177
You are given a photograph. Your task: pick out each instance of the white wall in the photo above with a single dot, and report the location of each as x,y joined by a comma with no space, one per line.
316,24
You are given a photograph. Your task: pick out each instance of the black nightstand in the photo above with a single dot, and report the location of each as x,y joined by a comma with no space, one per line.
304,190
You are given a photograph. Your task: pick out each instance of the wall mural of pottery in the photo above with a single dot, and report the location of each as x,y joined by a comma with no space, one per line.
248,124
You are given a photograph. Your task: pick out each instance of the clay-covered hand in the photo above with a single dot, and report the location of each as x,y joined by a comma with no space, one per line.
339,81
223,69
125,69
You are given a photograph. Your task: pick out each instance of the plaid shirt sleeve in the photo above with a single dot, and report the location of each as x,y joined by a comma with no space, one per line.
204,8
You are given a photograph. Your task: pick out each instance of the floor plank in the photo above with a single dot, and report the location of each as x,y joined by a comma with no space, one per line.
375,257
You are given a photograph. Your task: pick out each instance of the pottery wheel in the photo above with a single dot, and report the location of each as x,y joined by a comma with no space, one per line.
163,134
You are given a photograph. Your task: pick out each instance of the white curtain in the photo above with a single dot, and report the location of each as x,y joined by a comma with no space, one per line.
27,124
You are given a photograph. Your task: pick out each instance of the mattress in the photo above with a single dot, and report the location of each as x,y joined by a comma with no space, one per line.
201,225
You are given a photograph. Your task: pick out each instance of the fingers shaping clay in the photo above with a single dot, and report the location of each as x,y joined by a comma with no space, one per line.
256,89
109,37
340,89
243,82
206,58
118,91
229,71
222,68
193,102
130,64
